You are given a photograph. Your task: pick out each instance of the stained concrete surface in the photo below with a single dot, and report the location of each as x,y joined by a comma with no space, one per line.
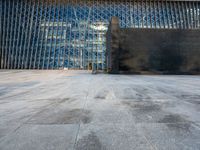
75,110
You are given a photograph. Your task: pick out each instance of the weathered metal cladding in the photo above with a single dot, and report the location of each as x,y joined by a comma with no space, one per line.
57,34
147,51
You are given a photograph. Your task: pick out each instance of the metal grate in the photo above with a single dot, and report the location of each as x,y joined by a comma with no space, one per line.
54,34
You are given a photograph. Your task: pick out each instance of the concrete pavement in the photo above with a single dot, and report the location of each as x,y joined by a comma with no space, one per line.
75,110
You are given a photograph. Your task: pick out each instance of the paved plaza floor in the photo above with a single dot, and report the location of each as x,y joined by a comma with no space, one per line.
77,110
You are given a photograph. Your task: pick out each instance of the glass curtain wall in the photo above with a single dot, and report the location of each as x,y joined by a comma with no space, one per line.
57,34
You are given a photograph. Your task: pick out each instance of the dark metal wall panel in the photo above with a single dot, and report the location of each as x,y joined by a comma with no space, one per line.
1,29
56,34
160,51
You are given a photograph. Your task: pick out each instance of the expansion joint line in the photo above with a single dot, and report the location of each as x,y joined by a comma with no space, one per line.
79,124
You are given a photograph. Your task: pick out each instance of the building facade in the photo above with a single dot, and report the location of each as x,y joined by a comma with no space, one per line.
57,34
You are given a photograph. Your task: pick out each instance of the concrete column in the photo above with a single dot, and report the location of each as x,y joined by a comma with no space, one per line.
112,44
